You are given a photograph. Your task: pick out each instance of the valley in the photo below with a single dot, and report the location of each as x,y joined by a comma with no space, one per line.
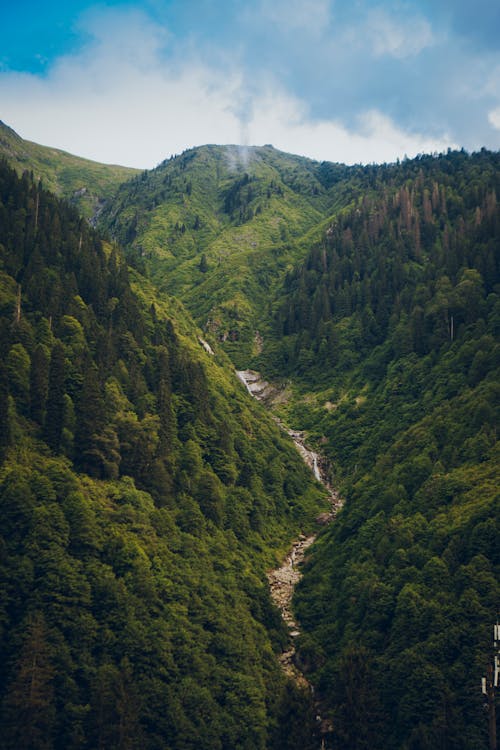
166,541
284,579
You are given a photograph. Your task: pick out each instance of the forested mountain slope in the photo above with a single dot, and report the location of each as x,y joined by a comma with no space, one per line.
389,330
84,183
142,496
375,291
219,225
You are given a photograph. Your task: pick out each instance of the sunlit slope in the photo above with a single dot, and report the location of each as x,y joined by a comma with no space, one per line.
219,226
84,183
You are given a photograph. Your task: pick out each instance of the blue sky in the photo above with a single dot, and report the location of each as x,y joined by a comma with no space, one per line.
351,81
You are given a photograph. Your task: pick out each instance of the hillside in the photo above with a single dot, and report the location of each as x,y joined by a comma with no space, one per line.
143,496
219,226
370,296
373,292
389,332
84,183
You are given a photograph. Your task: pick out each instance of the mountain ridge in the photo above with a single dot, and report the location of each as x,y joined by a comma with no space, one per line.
83,182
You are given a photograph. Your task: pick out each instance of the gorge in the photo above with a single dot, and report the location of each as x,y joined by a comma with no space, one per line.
157,521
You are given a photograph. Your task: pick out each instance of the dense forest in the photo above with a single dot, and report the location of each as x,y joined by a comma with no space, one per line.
393,322
380,311
143,494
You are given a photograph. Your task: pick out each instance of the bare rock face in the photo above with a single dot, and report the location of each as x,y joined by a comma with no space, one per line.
269,393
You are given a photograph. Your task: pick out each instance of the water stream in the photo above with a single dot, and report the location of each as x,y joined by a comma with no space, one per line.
282,580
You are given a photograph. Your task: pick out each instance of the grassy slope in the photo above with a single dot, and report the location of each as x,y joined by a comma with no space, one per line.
83,182
246,212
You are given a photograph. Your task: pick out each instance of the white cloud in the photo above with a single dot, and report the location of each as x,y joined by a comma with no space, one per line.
397,37
494,118
282,120
118,100
121,99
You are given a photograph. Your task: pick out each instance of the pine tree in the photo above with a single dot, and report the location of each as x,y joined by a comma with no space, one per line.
54,420
168,427
203,266
29,710
96,443
5,434
39,383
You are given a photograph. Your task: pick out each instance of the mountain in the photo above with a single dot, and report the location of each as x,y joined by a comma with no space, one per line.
84,183
219,226
370,295
374,293
143,495
389,331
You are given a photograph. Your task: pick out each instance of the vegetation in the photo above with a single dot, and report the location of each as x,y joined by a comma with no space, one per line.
394,318
217,227
376,291
84,183
143,495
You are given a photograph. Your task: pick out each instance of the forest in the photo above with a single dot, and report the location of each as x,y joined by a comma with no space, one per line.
393,322
381,317
144,494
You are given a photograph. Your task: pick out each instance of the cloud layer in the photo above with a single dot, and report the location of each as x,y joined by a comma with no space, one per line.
142,84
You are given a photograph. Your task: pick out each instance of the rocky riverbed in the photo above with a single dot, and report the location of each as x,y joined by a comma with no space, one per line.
282,580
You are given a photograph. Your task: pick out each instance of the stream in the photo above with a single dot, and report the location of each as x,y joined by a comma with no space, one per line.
282,580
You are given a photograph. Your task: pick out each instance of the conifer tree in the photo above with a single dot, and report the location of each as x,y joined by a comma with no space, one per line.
96,443
29,710
39,383
54,420
4,411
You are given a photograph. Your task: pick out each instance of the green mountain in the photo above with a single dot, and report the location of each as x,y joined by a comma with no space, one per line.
374,292
143,494
219,226
84,183
389,330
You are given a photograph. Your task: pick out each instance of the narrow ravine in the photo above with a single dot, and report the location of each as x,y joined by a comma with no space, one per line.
282,580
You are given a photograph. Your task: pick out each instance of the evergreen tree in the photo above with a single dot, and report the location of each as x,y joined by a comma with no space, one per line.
96,445
54,420
39,383
5,433
18,369
29,707
203,266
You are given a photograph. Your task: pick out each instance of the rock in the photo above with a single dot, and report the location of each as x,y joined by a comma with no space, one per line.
282,581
